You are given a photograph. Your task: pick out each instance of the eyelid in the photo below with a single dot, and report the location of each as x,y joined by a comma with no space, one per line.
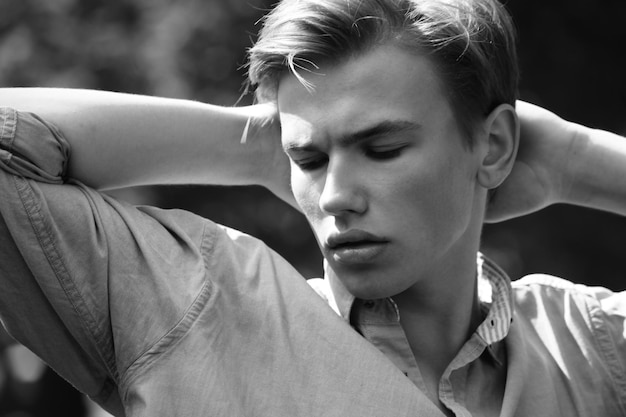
385,151
311,165
295,151
307,160
386,147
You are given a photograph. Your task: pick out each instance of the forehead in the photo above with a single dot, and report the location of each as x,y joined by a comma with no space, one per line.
384,84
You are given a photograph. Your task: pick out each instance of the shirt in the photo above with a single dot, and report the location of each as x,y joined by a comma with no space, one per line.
546,347
163,313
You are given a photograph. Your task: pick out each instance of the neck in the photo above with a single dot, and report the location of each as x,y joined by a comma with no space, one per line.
439,315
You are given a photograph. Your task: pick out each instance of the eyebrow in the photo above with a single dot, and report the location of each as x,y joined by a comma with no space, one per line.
383,128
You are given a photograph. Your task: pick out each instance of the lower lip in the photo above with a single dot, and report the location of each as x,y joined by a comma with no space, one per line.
355,255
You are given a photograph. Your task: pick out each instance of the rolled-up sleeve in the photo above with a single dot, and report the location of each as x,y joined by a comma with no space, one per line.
88,283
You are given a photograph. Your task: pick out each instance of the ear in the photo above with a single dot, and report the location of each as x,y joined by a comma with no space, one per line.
500,142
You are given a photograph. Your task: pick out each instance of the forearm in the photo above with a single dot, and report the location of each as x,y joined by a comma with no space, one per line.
119,140
596,170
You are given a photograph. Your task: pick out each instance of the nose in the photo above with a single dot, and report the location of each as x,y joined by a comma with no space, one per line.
343,190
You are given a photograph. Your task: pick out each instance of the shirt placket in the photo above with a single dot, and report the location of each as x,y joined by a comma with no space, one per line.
379,322
454,379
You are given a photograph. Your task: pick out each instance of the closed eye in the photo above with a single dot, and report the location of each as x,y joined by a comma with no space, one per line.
384,153
311,163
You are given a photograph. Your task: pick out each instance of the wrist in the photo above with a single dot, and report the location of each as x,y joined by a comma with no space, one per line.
574,187
260,140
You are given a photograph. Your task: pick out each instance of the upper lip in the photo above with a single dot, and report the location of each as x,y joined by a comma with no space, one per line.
354,236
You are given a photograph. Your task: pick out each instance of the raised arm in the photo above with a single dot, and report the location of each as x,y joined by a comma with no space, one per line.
120,140
102,279
561,162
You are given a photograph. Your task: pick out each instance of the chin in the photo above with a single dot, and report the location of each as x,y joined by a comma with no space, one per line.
369,292
364,283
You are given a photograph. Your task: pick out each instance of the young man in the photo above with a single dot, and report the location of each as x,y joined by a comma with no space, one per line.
398,120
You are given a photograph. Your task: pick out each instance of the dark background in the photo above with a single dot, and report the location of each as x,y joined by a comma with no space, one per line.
572,55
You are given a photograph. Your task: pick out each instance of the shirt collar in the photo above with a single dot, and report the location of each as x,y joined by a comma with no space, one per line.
494,293
341,299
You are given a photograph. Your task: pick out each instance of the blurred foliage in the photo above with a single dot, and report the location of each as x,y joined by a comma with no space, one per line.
572,60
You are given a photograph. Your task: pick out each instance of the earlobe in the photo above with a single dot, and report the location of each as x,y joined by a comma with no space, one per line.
501,136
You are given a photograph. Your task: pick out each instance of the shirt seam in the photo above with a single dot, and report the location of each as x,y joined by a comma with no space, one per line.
166,342
55,260
11,121
604,341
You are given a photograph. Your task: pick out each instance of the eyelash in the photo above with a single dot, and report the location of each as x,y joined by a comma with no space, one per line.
384,154
311,164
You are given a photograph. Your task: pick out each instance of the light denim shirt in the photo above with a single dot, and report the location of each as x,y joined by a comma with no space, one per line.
163,313
160,312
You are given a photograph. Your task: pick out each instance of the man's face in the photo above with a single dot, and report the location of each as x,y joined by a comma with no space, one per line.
380,170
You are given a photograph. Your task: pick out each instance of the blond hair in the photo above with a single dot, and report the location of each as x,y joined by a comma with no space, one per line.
471,42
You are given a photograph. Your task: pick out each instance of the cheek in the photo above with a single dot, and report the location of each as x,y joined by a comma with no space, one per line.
438,199
304,192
